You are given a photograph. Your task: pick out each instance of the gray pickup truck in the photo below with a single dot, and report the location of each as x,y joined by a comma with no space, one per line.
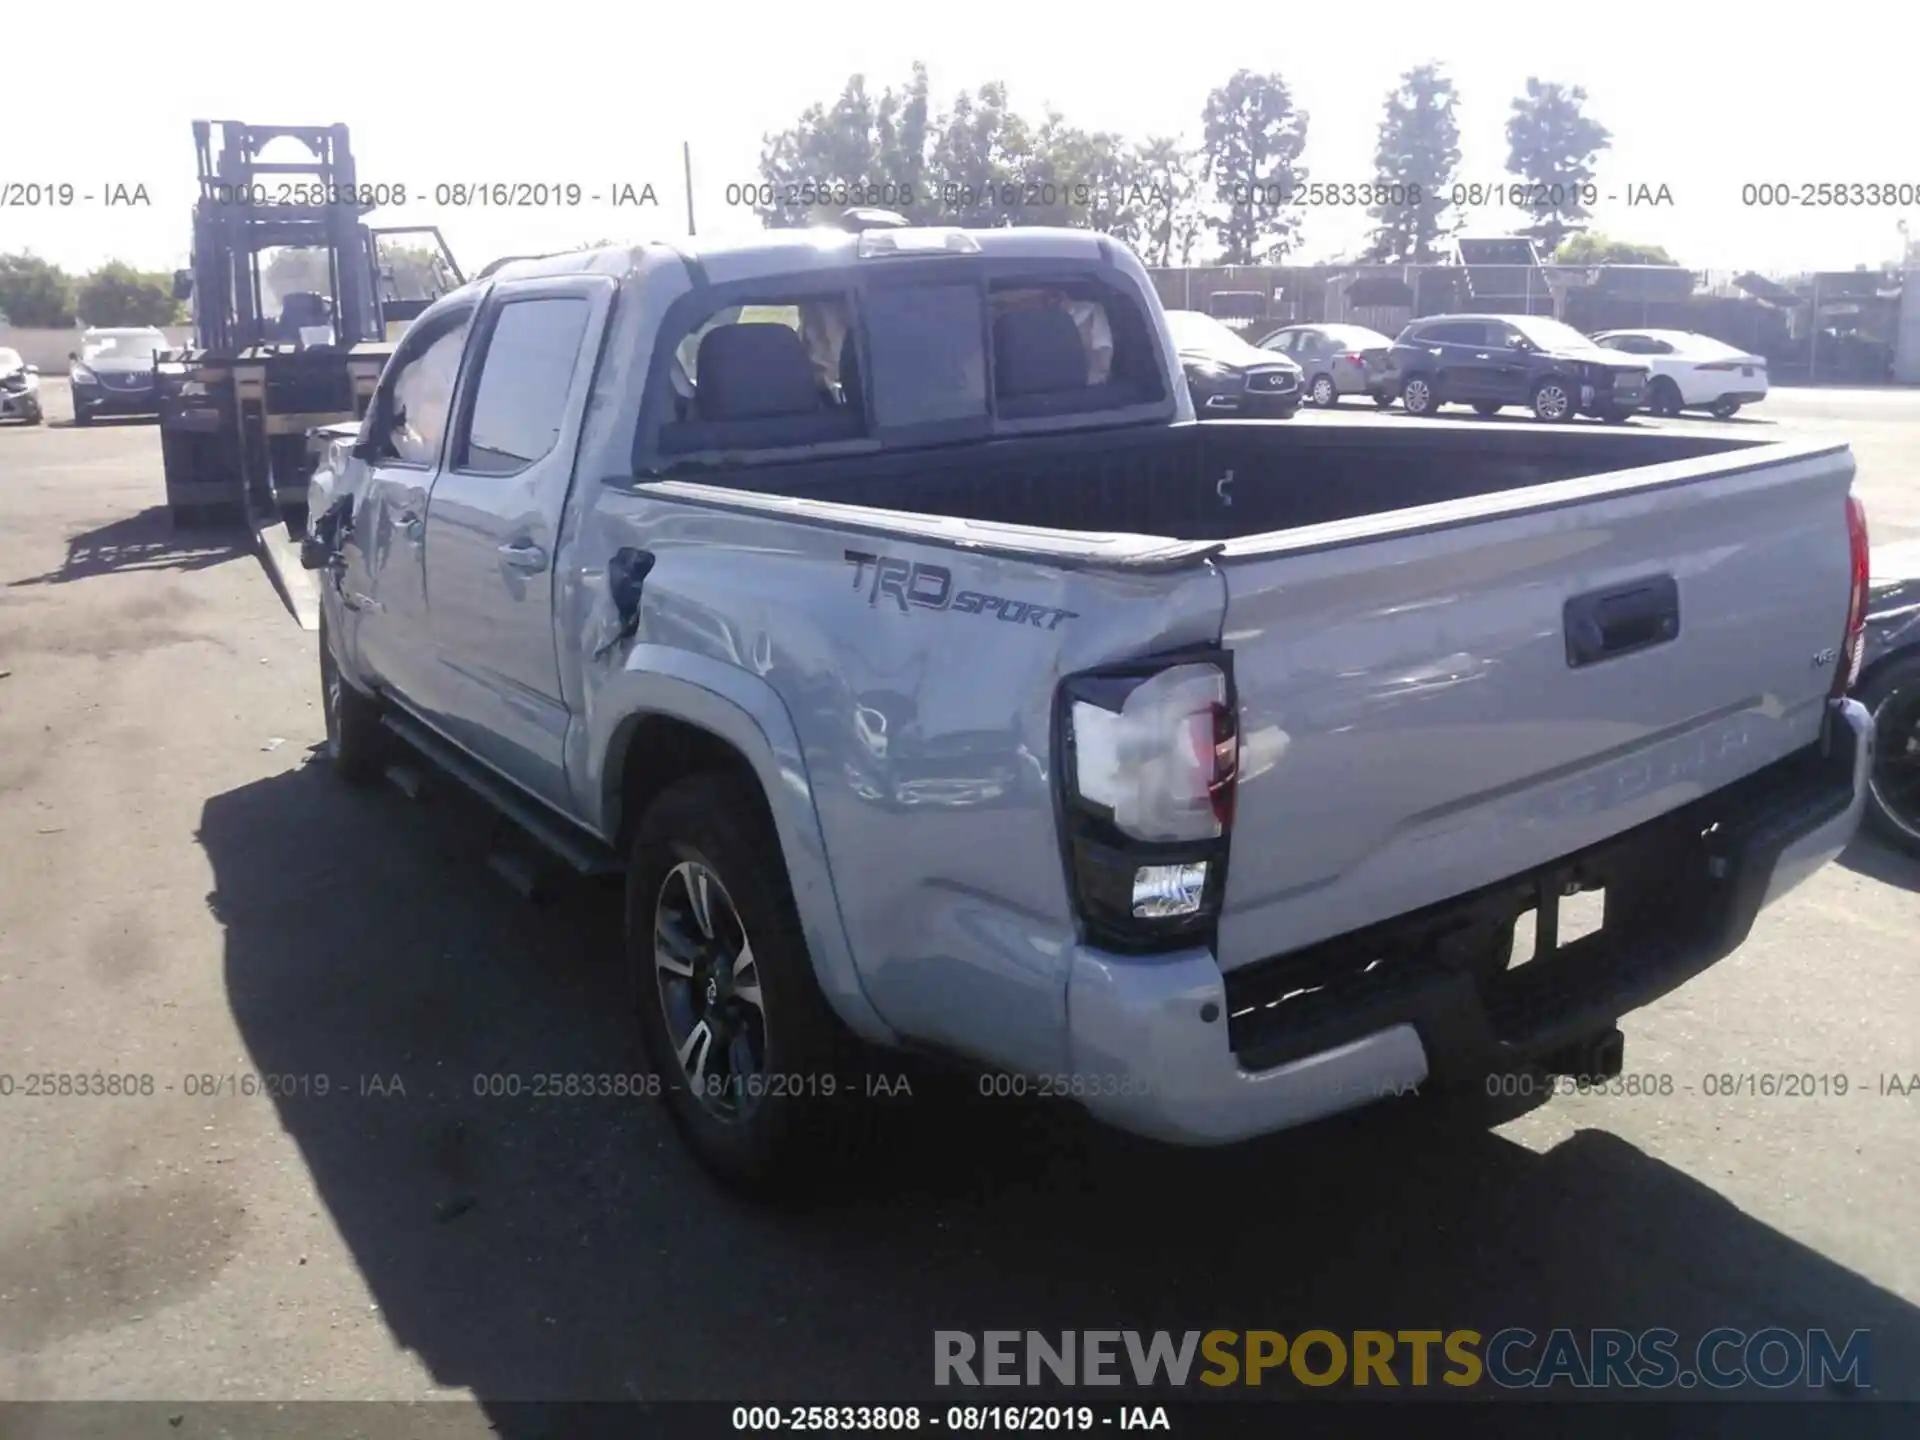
872,602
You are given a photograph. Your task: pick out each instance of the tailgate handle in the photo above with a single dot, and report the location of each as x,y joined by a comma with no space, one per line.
1618,622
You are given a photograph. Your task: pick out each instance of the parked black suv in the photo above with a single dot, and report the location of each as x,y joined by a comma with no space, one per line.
1491,361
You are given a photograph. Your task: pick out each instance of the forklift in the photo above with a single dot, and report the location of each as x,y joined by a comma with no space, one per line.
272,359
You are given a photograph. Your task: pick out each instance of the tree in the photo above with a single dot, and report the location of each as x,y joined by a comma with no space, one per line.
1254,135
118,294
978,163
858,150
1090,179
981,162
1173,220
1414,161
34,293
1590,248
1551,144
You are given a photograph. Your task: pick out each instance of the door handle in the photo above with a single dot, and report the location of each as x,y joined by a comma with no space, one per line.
524,555
1617,622
410,524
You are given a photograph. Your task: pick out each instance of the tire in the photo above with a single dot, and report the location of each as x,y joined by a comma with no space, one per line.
356,743
1665,398
710,831
186,517
1893,790
1417,397
82,415
34,416
1382,399
1614,415
1486,407
1552,402
1725,409
1323,392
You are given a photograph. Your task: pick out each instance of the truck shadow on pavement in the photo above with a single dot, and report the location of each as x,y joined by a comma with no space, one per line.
146,541
568,1249
1876,860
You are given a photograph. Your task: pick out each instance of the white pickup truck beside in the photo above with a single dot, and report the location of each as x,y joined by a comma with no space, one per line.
935,681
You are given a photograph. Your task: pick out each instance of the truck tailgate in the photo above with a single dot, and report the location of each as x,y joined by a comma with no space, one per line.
1456,701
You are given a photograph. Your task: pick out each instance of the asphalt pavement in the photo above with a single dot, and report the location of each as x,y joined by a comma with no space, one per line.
296,995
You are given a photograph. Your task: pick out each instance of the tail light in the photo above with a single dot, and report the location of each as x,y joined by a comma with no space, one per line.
1354,357
1148,761
1847,670
1719,365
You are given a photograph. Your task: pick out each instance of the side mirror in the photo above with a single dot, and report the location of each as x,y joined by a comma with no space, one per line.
183,284
73,354
33,369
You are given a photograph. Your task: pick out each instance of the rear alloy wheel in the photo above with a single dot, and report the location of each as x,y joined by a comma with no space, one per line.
1725,409
1417,397
1666,397
1893,790
1323,392
758,1074
1552,402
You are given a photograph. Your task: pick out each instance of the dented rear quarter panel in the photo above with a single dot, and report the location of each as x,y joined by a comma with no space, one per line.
915,678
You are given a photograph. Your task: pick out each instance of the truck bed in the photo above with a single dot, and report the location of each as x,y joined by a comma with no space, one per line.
1222,480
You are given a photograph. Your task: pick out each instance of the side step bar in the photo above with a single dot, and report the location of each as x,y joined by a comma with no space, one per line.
581,853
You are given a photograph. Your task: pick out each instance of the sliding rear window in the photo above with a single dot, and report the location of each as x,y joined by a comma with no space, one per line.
928,344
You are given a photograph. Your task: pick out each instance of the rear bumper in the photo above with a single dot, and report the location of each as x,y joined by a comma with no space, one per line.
1171,1048
1734,397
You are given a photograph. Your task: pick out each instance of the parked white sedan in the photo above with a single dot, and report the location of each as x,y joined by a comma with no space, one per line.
1692,372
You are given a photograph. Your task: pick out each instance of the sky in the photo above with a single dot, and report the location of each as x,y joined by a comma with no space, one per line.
603,98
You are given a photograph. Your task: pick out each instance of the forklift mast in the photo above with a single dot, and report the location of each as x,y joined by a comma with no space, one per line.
248,205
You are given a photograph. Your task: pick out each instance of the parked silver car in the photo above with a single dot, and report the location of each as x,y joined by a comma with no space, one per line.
1337,360
19,388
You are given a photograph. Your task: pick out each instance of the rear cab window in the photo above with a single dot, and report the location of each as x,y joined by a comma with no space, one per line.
899,353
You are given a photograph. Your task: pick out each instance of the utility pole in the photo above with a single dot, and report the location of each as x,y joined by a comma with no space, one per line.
686,166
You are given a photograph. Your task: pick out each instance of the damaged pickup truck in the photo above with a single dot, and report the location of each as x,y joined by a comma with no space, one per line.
873,604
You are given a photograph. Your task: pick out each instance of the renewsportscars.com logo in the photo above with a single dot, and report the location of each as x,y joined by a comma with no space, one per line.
1724,1359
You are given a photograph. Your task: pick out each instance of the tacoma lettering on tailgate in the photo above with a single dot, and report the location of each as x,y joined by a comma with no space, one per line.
911,583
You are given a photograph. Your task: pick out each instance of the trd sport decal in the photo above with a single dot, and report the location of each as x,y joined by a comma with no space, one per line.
931,587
